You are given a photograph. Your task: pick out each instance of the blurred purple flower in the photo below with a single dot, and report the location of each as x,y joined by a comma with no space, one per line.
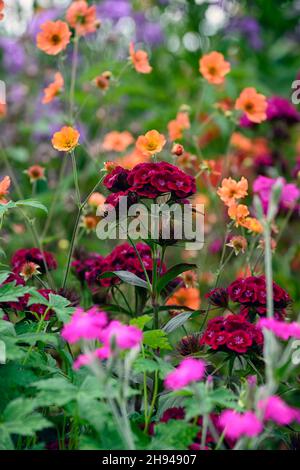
147,31
248,27
13,55
40,18
283,109
114,10
263,187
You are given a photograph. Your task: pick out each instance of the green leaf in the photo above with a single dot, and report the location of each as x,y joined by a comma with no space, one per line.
11,292
127,277
141,321
32,203
145,365
33,338
19,418
5,207
177,321
172,273
3,276
156,339
55,391
173,435
61,306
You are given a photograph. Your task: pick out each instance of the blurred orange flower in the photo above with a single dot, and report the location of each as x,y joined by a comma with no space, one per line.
1,9
214,67
53,88
133,159
82,17
35,173
177,126
139,60
4,189
96,199
53,37
66,139
239,213
232,190
252,224
253,104
103,80
117,141
150,143
186,297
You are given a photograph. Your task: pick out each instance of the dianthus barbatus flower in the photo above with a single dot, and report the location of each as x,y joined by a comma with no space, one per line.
34,255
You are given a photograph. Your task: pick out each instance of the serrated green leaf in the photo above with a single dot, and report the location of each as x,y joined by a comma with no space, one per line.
141,321
156,339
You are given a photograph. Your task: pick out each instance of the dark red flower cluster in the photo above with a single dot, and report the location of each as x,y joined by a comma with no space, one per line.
218,297
122,258
21,303
149,180
232,333
33,255
250,293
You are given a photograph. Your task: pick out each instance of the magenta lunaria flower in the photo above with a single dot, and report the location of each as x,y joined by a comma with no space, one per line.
189,370
237,425
280,328
84,325
275,409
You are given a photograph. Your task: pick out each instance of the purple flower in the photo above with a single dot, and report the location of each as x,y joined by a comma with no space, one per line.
13,55
247,27
114,10
282,109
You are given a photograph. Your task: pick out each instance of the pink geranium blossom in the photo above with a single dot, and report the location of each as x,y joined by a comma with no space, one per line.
237,425
124,336
84,325
281,329
190,370
275,409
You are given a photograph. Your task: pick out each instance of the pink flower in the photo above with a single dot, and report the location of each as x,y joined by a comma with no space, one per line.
263,187
87,358
188,371
275,409
237,425
124,336
84,325
280,328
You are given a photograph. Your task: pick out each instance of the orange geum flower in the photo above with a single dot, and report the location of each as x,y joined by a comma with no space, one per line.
253,104
238,243
35,173
29,269
232,190
82,17
96,199
252,224
238,213
53,88
177,126
133,159
4,189
103,80
1,9
214,67
186,297
90,222
53,37
117,141
66,139
150,143
139,60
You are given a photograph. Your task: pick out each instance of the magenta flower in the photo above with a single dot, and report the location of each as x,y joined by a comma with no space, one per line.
189,370
275,409
124,336
263,187
237,425
281,329
84,325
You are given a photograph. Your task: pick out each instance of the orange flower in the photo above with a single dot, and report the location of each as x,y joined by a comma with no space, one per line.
117,141
253,104
253,225
3,110
96,199
186,297
35,173
176,126
232,190
150,143
82,18
214,67
53,37
90,222
53,88
103,80
4,189
1,9
238,213
241,142
66,139
133,159
139,60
